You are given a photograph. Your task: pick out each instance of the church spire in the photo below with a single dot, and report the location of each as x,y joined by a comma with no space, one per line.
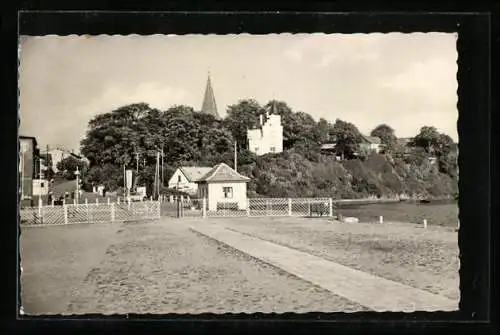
209,106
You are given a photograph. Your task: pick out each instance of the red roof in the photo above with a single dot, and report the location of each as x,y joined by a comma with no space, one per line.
222,172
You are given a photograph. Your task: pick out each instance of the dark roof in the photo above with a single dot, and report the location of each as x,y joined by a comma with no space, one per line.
209,105
193,173
222,172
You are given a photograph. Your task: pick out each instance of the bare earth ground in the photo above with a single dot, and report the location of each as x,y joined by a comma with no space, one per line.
55,259
406,253
155,268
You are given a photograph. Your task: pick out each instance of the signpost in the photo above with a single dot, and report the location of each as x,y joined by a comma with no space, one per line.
128,179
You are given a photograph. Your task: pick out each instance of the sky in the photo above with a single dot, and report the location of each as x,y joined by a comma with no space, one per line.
404,80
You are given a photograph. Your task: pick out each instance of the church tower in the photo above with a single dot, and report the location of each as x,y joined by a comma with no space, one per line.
209,106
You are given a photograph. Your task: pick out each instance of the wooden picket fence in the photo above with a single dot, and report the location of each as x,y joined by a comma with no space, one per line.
90,213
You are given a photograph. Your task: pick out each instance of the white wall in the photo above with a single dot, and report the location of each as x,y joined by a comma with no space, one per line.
57,156
260,141
40,187
184,184
216,194
370,147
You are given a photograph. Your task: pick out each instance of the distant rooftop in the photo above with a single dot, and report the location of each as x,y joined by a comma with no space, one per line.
193,173
222,172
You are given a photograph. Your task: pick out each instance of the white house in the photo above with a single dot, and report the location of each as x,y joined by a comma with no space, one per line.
222,184
184,178
268,138
370,143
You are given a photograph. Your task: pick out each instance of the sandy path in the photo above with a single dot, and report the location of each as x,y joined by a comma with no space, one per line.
424,259
166,268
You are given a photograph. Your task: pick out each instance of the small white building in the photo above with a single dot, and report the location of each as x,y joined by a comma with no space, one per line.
268,138
370,144
222,184
40,187
184,178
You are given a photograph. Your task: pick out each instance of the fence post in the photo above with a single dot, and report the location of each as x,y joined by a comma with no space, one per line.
204,207
381,219
97,201
74,201
65,209
128,203
109,201
87,210
289,207
40,210
112,212
425,224
330,207
53,202
64,202
248,207
118,200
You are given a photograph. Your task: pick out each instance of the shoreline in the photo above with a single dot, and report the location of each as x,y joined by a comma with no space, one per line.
370,201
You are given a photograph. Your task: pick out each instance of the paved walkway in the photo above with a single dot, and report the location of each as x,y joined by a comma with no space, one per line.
373,292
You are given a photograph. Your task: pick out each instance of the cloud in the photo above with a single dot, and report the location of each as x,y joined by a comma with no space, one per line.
434,79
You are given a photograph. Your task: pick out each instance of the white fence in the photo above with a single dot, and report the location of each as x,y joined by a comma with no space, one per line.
90,213
256,207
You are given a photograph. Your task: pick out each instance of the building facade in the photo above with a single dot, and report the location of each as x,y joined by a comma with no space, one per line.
185,177
370,144
27,166
223,187
268,137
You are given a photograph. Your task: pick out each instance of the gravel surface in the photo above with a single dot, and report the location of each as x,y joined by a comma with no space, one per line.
425,259
166,268
55,259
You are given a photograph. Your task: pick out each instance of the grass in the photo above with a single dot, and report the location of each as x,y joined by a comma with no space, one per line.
425,259
445,215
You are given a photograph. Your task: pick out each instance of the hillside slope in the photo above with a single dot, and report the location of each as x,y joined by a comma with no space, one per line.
291,175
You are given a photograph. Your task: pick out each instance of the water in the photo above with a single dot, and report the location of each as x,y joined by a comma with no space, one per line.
443,213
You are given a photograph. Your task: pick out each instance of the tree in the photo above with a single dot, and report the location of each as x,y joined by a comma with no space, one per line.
427,138
347,138
386,135
241,117
68,166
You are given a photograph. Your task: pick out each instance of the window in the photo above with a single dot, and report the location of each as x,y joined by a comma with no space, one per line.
41,185
272,149
179,178
228,192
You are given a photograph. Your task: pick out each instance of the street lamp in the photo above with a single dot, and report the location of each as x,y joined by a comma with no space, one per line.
77,173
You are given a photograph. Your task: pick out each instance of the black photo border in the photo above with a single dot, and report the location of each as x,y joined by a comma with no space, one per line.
475,153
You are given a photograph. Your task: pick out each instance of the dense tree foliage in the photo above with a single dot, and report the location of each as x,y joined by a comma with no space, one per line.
387,137
67,167
131,136
347,137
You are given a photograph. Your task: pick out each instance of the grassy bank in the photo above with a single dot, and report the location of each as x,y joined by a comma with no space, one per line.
444,214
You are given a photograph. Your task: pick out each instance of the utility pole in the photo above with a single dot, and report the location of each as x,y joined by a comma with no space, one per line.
235,156
137,162
77,195
162,165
